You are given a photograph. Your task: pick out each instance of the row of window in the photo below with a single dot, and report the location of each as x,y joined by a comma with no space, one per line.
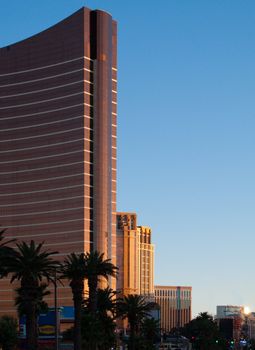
172,293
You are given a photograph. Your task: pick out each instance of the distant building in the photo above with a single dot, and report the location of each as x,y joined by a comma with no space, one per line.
224,311
230,319
135,256
251,325
146,259
243,325
175,306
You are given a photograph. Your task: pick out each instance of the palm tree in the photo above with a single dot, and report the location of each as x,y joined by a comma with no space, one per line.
106,302
74,269
8,332
205,331
97,267
3,244
135,308
150,332
98,330
41,305
30,265
5,252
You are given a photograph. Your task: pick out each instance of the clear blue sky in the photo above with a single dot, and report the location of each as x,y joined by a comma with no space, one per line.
186,132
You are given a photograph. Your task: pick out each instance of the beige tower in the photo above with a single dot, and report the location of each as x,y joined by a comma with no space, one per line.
146,261
135,256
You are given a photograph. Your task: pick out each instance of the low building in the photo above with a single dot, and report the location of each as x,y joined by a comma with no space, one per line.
232,321
175,306
224,311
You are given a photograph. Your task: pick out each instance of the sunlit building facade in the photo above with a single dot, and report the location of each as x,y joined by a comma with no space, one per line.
175,306
135,256
58,120
235,321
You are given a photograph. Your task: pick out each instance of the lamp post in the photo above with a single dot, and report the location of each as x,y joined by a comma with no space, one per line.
56,310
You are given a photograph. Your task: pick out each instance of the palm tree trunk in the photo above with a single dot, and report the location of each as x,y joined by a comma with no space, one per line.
31,327
29,287
92,282
77,299
132,337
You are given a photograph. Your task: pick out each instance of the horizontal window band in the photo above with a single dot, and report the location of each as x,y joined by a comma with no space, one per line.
49,234
41,191
42,223
42,124
45,67
115,80
42,180
114,91
39,169
49,123
44,157
40,113
43,101
46,89
43,135
9,310
65,254
114,136
47,299
114,158
114,125
46,146
46,78
64,243
6,301
45,212
40,202
60,298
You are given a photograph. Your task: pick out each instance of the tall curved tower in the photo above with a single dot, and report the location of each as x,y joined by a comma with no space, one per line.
58,139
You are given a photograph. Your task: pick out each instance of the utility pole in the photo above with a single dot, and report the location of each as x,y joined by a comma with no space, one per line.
56,310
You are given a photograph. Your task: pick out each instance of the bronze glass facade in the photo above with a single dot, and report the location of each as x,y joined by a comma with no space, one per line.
58,119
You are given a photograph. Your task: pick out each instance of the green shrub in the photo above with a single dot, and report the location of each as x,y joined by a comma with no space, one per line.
8,332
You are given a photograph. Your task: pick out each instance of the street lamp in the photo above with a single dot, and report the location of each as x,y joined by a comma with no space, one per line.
56,310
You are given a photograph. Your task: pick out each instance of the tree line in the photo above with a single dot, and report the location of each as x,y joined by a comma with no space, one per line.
34,268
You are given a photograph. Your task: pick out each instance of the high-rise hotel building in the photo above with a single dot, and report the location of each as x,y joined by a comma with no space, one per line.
58,139
135,256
